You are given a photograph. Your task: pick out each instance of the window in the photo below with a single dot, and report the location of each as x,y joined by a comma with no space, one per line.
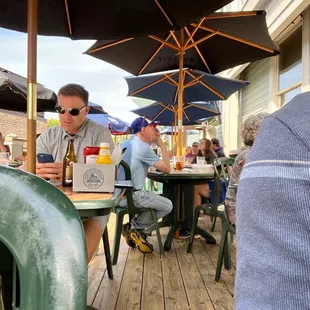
290,67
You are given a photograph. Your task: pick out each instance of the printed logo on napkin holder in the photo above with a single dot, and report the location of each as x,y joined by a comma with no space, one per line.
93,178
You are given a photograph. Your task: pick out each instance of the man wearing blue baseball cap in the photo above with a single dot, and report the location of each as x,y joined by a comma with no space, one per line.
140,156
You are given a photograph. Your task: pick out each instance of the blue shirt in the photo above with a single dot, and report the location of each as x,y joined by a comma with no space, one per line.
139,156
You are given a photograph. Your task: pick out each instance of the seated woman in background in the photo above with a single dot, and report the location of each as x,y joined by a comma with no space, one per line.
205,150
250,129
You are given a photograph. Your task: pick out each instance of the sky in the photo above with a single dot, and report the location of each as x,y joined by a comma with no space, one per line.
61,61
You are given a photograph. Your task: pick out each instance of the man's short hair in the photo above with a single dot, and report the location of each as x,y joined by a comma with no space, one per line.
74,90
216,142
195,144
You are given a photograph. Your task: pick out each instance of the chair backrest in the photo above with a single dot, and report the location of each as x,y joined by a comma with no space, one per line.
223,166
216,193
42,229
130,203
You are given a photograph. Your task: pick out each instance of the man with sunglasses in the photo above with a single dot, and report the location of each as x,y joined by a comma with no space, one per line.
73,108
139,155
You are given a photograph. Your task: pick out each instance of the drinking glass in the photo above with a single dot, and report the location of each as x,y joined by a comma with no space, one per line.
200,160
179,162
4,158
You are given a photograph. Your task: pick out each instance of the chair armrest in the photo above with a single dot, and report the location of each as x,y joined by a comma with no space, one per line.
118,195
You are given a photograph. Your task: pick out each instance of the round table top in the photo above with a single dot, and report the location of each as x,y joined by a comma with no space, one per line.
180,175
74,196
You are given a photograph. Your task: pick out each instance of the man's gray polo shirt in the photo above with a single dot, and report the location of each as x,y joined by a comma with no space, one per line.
55,140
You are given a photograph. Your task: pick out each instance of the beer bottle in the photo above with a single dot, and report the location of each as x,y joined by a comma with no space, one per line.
69,159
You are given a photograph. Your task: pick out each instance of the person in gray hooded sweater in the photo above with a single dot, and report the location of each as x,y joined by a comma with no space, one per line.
273,213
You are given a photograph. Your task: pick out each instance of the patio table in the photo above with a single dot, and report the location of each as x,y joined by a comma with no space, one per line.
178,186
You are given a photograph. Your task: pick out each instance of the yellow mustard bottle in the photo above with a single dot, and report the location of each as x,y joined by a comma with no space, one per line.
104,156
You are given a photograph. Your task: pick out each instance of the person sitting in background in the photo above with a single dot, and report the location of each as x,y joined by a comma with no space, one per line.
217,148
189,156
195,148
205,150
140,157
4,148
250,129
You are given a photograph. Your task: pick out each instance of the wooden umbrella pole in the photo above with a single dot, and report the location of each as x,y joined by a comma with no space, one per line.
180,97
32,27
175,128
171,139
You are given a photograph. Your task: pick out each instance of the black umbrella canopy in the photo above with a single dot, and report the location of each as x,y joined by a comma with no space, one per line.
13,94
81,19
198,86
222,41
165,113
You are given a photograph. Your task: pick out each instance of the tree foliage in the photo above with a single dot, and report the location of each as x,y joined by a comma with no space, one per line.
52,122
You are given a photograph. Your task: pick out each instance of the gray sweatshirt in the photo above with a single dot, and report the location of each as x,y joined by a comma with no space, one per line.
273,214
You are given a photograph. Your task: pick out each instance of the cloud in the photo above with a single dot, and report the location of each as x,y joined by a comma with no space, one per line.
61,61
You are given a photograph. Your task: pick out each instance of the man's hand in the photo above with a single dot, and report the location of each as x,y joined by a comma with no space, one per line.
52,171
158,141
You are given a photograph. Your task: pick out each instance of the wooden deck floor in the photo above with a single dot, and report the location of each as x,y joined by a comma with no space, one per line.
174,280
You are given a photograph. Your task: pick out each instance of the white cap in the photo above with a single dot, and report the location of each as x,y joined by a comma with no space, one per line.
104,144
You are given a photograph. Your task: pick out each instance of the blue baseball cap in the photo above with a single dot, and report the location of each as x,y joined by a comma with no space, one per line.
139,123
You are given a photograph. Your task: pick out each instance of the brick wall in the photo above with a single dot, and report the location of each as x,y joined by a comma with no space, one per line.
16,122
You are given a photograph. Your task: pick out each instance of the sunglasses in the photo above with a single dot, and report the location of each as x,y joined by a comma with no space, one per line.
73,111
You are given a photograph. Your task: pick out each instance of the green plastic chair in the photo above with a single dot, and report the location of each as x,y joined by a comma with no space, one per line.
42,229
131,210
223,165
210,209
228,231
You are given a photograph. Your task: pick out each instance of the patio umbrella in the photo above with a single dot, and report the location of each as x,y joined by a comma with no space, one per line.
13,94
100,20
96,108
165,113
217,42
116,125
106,19
197,86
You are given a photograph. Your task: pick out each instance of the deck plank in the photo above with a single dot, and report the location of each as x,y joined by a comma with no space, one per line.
197,295
174,289
107,295
131,287
152,291
220,296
